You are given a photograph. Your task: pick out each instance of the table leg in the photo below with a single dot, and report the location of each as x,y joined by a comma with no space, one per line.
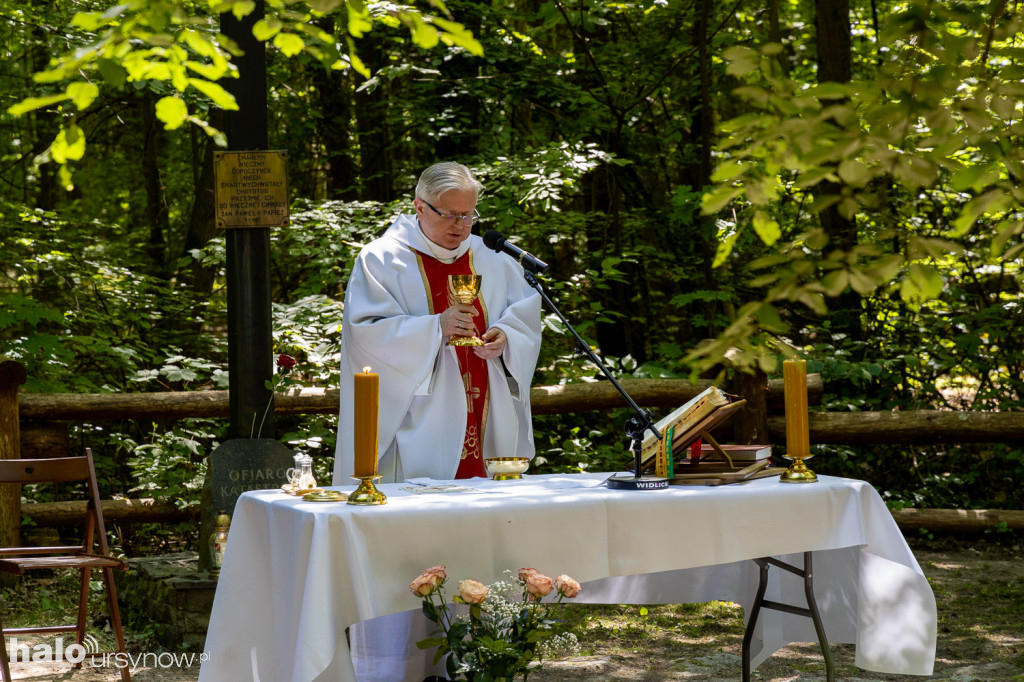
811,610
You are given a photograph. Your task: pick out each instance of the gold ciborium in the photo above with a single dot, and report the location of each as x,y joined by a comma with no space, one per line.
464,289
798,471
506,468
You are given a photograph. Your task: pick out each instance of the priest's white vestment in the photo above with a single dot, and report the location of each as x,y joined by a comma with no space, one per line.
388,326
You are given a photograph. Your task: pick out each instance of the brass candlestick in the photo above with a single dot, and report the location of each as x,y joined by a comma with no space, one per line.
367,494
464,289
798,471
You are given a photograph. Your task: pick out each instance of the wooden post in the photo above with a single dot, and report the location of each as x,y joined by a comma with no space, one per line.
250,323
751,423
12,375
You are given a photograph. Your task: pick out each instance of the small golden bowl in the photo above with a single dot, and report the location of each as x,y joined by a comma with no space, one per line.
506,468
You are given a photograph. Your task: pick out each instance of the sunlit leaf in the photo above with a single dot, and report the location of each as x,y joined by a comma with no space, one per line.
729,170
265,29
358,20
725,245
324,6
64,177
207,71
172,111
357,63
88,21
766,227
82,93
423,34
289,43
69,145
742,60
32,103
718,198
243,9
458,35
221,97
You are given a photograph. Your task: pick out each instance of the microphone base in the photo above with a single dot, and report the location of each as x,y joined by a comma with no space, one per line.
628,482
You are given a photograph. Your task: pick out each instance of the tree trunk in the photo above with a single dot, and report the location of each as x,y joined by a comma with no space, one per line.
12,375
460,139
156,201
374,131
333,99
202,225
832,18
750,425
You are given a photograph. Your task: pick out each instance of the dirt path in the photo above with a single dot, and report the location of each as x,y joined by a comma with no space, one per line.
977,585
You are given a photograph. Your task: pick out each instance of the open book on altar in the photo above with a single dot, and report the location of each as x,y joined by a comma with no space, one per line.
685,425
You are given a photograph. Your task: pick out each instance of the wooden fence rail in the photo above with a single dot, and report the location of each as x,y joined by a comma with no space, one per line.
852,428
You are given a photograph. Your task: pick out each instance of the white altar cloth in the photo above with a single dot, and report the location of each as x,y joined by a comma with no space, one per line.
297,574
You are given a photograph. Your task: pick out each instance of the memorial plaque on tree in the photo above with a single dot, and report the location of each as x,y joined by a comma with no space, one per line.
251,188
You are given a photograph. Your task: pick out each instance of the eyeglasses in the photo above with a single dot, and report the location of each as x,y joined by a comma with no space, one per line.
462,219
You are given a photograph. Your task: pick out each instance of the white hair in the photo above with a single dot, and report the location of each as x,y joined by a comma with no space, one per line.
443,177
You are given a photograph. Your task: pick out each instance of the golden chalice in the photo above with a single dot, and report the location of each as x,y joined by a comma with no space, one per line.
464,289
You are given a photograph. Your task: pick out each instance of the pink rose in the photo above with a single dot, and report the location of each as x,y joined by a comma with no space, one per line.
523,572
427,582
566,586
472,591
537,584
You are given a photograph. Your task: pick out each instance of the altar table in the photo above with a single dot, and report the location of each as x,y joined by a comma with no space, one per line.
297,574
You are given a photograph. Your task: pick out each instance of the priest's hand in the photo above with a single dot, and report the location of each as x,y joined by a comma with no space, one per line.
457,320
494,345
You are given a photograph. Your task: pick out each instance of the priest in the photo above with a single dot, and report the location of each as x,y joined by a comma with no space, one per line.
443,408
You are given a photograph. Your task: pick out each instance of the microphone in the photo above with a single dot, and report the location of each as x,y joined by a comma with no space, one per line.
496,240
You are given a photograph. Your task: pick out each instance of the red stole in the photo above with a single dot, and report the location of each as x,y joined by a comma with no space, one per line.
474,369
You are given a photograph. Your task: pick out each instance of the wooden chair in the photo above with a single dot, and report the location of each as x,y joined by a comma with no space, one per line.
92,554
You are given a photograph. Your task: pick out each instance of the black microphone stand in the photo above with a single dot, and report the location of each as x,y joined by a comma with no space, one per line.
636,425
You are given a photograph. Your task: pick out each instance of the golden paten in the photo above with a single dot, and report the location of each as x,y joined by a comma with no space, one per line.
324,496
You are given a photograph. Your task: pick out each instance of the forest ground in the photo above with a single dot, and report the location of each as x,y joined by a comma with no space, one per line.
979,590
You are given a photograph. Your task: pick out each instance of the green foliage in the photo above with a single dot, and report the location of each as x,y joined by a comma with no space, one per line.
172,465
683,203
929,123
174,49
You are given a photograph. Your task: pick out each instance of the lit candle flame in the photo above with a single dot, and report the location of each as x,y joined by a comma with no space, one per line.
366,370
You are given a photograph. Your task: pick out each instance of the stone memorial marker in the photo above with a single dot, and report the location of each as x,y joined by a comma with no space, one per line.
237,466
